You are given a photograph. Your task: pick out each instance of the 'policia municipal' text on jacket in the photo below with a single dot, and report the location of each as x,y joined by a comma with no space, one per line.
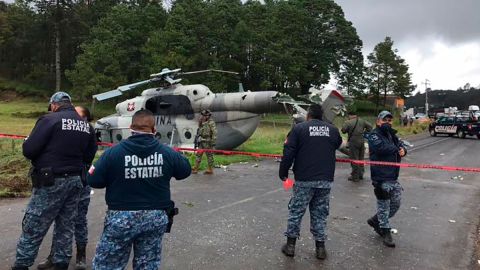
384,145
137,174
311,148
61,140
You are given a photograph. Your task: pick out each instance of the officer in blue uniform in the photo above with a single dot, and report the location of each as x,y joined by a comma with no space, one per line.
59,145
384,145
136,174
311,148
81,230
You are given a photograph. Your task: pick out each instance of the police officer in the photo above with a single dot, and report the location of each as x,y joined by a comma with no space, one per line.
136,174
81,230
355,127
385,146
59,145
311,148
205,139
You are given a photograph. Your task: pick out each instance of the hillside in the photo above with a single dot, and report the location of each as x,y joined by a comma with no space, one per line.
438,99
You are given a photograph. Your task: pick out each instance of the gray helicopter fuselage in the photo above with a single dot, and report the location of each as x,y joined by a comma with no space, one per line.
177,112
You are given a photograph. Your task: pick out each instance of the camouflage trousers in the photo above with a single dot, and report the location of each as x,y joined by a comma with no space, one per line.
318,201
386,209
81,225
141,229
209,154
81,230
357,152
56,203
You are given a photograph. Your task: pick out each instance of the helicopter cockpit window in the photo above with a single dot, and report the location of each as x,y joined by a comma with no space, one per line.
170,105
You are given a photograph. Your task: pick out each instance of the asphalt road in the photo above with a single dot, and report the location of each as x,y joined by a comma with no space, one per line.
236,218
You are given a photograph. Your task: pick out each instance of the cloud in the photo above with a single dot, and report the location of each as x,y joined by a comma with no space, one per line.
439,39
446,66
452,21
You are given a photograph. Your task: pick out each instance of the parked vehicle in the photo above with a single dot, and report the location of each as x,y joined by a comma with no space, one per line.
459,125
419,115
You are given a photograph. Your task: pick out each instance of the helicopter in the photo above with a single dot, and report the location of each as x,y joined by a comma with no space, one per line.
177,109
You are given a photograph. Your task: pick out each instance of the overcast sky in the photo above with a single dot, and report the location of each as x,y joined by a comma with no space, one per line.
439,39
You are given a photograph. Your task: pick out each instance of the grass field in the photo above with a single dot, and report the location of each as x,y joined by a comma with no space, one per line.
18,117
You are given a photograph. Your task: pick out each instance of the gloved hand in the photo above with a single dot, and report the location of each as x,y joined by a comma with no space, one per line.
283,178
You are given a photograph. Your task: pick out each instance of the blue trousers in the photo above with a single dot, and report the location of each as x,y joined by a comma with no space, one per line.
56,203
143,230
318,201
386,209
81,230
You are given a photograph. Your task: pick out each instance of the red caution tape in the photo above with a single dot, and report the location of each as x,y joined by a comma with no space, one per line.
10,136
259,155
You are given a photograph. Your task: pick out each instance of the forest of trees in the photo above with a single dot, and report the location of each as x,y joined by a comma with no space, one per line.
89,46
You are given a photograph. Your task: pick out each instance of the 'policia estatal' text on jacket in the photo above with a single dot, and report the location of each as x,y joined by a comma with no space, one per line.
61,140
136,174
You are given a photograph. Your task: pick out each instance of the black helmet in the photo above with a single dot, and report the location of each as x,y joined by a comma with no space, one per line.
205,113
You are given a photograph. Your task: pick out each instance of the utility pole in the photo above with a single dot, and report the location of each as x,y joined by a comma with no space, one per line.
427,84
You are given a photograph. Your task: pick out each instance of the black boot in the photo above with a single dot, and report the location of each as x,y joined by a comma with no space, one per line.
387,238
19,268
47,264
320,250
373,222
81,263
60,266
289,248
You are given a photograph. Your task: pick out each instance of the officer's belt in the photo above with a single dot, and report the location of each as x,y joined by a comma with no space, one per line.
64,175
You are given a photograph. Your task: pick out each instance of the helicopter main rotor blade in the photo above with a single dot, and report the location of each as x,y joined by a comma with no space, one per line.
131,86
210,70
164,72
107,95
119,91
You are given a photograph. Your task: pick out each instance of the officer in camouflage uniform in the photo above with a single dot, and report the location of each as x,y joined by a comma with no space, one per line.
311,148
385,146
81,229
136,174
205,139
355,127
56,177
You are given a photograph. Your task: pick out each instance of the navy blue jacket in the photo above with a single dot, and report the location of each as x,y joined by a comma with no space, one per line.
137,173
384,146
311,147
61,140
